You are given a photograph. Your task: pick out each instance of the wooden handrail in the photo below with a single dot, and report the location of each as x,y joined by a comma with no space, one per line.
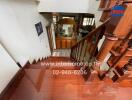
91,33
86,48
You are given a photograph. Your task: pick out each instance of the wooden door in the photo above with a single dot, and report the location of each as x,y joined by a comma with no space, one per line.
50,37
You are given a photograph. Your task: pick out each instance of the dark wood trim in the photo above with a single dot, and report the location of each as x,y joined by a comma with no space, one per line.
39,60
11,87
50,37
26,65
34,62
45,58
19,64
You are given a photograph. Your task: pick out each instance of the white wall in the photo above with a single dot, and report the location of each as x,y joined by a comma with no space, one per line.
63,6
18,33
71,6
94,8
8,68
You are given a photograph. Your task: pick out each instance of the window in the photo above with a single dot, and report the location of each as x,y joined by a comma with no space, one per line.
88,21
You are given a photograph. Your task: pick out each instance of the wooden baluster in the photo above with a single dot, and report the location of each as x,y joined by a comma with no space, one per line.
80,50
74,53
84,56
83,50
76,49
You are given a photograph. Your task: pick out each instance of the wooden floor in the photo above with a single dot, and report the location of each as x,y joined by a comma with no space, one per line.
40,83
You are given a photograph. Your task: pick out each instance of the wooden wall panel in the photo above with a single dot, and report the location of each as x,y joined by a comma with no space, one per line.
65,42
58,43
69,43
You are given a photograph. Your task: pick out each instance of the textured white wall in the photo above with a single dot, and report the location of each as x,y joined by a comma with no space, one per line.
8,68
18,33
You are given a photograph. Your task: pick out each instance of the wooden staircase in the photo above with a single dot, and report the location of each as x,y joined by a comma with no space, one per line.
38,81
118,40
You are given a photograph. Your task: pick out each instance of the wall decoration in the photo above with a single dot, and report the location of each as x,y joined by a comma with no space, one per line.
39,28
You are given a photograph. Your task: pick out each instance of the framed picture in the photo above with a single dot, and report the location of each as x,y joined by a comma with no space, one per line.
39,28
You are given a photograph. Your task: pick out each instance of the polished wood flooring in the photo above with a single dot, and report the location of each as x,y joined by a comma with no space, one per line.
39,83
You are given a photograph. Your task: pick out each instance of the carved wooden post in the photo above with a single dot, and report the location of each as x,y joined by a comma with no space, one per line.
120,31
